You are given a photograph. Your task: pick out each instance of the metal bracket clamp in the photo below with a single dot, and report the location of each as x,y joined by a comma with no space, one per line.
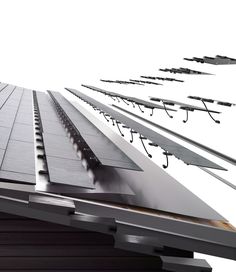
216,121
141,139
167,154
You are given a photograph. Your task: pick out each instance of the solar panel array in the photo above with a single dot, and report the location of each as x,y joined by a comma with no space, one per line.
101,146
217,60
179,151
46,144
17,140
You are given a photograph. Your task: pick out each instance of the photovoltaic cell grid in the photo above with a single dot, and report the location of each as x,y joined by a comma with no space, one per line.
16,135
64,167
186,155
104,149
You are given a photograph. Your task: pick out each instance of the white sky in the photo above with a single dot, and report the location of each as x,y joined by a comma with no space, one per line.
53,44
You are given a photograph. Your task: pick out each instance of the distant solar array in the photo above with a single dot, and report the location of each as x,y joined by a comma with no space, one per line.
141,82
162,78
144,81
217,60
120,82
182,70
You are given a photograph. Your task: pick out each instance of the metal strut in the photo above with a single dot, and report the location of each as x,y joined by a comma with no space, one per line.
153,144
125,101
167,160
185,121
103,113
141,139
112,119
166,110
216,121
112,98
132,137
151,114
105,116
133,104
119,128
140,108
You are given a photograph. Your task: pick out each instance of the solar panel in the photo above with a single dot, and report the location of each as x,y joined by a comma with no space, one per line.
121,82
147,103
179,151
186,107
63,166
59,146
209,100
145,82
5,134
68,172
131,99
180,136
182,70
217,60
183,105
2,86
101,146
162,78
159,206
5,94
17,161
24,152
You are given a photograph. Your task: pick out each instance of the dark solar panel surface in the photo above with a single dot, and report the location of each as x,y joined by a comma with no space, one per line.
104,149
64,166
16,129
179,151
128,98
183,105
217,60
